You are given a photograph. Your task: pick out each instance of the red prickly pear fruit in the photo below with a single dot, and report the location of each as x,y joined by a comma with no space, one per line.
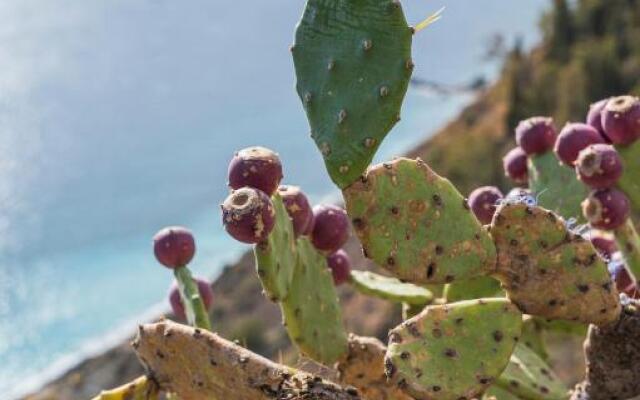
482,202
515,165
621,119
606,209
298,208
536,135
599,166
594,117
330,229
256,167
174,246
574,138
604,246
248,215
340,265
175,300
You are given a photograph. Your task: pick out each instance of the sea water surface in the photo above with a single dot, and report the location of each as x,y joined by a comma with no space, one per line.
118,118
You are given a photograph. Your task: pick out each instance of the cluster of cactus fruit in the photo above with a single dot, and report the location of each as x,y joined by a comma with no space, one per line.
481,280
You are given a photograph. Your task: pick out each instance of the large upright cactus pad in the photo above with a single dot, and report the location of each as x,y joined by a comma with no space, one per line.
388,288
453,351
415,224
353,65
548,271
556,186
276,257
311,311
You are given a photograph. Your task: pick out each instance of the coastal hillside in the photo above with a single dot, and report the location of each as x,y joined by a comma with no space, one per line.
589,51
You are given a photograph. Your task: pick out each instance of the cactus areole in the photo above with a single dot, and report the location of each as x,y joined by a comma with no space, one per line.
353,64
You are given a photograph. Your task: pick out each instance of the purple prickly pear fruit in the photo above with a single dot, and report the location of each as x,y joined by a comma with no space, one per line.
599,166
298,207
175,300
574,138
594,117
174,246
248,215
256,167
606,209
340,265
515,165
536,135
604,246
621,119
482,202
330,229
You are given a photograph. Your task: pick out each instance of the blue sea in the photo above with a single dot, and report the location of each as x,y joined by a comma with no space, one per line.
119,117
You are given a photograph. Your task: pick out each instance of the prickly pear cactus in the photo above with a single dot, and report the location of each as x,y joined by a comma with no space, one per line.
403,213
276,257
387,288
197,364
475,288
547,271
630,180
529,377
453,351
556,185
364,368
353,64
311,310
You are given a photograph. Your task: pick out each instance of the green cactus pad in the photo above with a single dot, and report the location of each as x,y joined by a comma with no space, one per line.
529,377
276,257
556,185
415,224
389,288
311,311
630,180
563,327
496,393
453,351
475,288
411,310
353,65
532,336
549,272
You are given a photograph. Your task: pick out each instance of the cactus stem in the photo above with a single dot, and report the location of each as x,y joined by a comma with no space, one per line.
193,305
629,244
